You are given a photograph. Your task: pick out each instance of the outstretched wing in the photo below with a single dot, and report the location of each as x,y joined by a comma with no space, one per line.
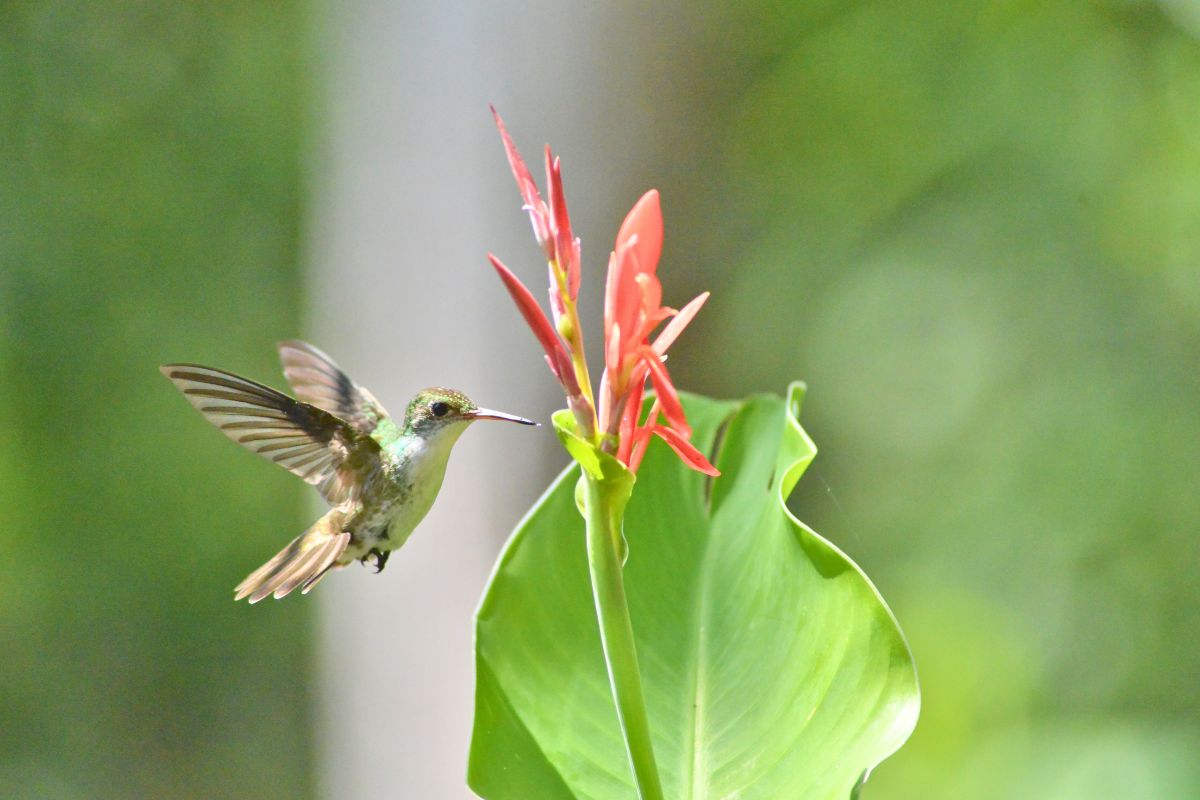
316,379
307,441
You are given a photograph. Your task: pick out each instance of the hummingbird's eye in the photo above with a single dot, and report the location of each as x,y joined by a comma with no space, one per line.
440,409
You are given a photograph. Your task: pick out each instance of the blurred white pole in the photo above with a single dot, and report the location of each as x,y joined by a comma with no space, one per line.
409,192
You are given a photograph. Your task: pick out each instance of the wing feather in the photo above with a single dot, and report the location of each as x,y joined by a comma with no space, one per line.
319,381
306,440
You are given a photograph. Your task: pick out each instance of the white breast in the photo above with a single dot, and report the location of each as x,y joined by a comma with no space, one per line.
422,467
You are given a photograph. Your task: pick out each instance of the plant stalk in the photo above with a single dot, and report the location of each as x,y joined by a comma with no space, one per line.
604,512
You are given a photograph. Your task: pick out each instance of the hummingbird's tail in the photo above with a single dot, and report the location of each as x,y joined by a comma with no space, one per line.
301,564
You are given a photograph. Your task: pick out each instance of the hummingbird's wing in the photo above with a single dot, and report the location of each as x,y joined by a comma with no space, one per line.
307,441
316,379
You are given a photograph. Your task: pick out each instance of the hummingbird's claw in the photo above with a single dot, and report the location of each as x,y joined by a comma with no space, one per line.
380,556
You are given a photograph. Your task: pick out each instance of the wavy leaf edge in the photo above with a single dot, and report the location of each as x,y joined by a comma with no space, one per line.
791,475
789,470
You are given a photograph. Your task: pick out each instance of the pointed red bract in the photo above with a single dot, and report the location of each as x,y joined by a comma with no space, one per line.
680,321
629,422
565,245
640,436
667,396
556,354
538,215
686,450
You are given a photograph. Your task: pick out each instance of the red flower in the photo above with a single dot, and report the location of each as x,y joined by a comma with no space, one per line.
632,310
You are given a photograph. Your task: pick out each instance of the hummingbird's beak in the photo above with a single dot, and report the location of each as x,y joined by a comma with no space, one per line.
487,413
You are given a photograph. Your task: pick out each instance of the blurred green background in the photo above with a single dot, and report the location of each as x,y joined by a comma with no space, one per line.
973,229
149,212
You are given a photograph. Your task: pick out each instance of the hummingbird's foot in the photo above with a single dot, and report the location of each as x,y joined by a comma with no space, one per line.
381,558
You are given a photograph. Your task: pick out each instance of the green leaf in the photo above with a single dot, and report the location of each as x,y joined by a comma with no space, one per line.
772,668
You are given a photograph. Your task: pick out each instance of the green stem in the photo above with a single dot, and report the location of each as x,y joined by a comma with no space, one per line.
604,511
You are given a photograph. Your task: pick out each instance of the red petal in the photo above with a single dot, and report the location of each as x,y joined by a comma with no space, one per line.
534,317
606,400
675,327
612,353
632,382
645,222
672,408
564,240
575,276
621,295
652,322
626,299
686,450
641,438
630,415
635,457
651,290
611,278
528,189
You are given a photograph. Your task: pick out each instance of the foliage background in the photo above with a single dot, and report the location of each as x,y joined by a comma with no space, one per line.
973,229
149,212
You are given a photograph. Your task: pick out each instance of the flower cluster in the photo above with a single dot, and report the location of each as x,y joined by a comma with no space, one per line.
632,311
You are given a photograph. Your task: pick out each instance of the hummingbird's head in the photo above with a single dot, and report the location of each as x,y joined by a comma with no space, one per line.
436,409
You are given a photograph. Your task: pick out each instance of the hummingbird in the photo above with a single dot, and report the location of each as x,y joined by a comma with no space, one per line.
379,477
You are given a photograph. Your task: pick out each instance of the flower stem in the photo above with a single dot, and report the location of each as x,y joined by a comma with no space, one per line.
604,510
